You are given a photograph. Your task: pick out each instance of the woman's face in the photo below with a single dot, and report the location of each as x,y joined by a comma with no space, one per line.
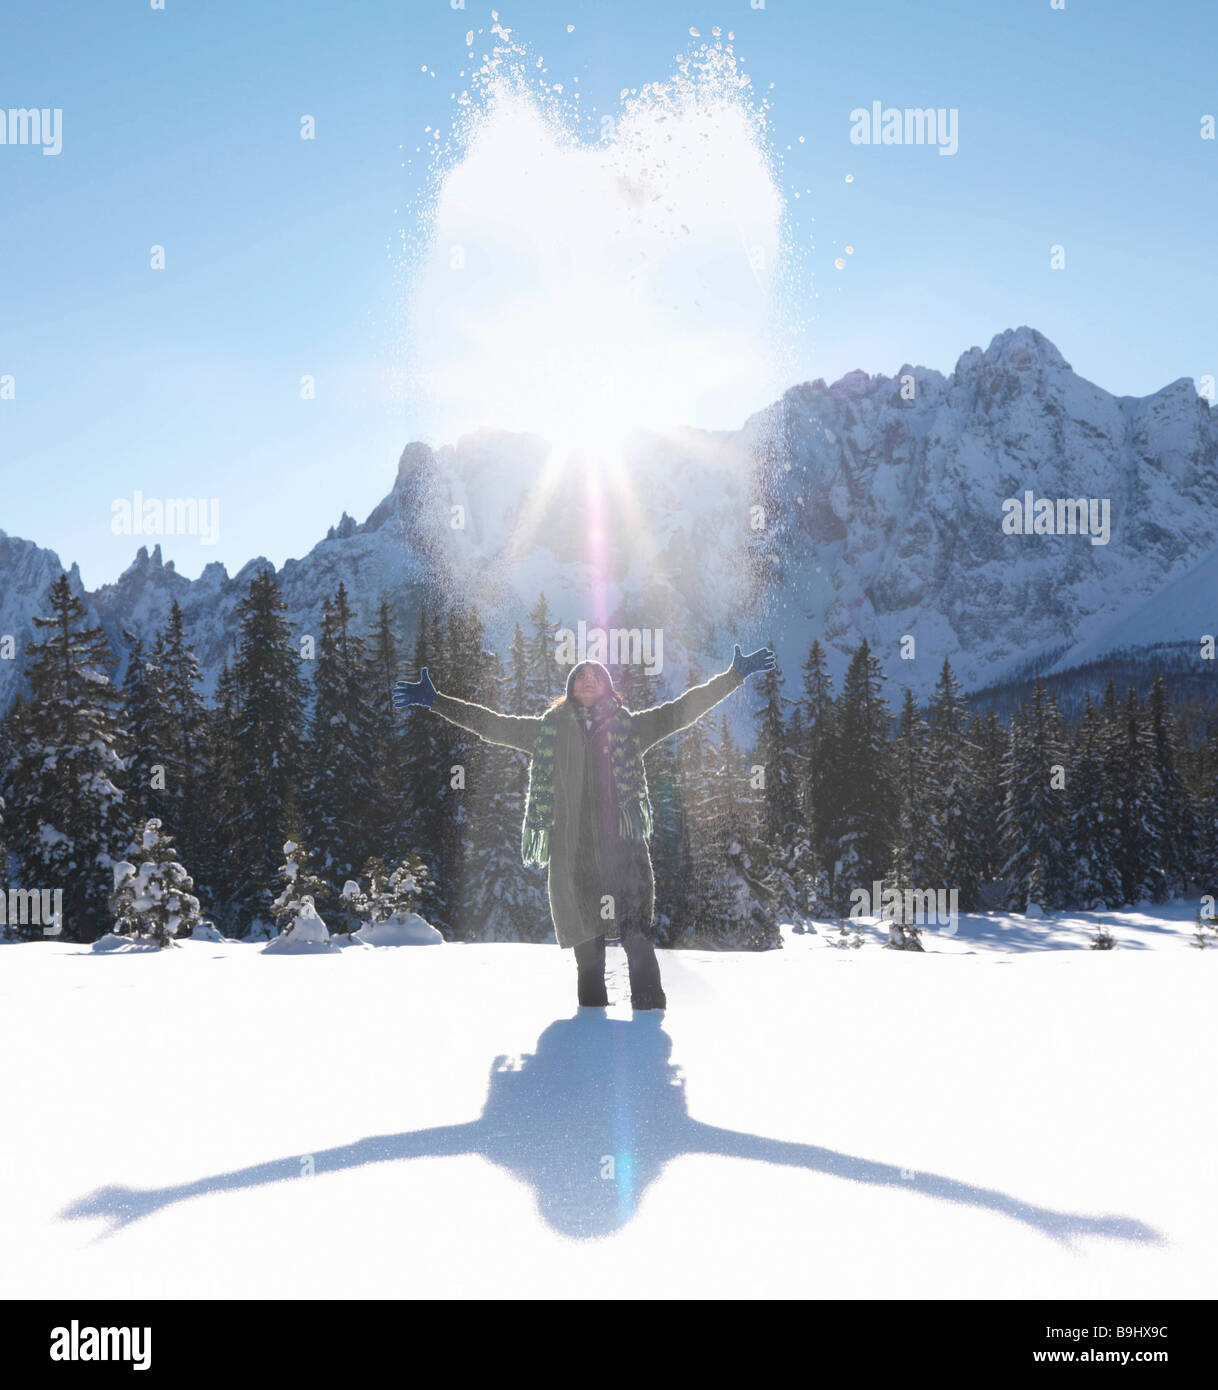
589,686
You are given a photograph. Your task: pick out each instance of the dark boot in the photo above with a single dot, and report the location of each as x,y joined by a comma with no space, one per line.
646,991
654,1000
593,992
590,961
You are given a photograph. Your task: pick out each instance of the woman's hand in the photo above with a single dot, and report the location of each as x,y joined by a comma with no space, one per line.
763,659
420,692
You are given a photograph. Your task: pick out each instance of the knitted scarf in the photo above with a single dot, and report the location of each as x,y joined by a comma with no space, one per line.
625,761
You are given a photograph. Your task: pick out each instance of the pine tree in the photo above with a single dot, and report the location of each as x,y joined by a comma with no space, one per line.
986,749
7,868
459,642
1128,753
67,823
153,898
743,857
397,892
390,809
1205,778
546,683
642,690
916,849
301,886
523,697
1095,881
220,853
783,839
956,857
350,911
180,718
266,742
1172,826
341,791
820,795
426,787
864,833
1033,824
499,902
141,699
701,906
519,695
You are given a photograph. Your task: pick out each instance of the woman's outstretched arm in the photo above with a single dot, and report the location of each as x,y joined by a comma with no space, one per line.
510,730
653,725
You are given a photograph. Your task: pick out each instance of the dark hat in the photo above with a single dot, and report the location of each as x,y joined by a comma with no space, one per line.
604,674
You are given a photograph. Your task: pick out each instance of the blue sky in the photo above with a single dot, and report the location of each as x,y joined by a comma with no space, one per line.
284,257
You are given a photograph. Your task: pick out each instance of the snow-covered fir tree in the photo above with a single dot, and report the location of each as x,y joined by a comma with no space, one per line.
265,750
865,823
1129,757
179,727
956,834
1169,810
524,696
341,754
141,696
744,858
1205,789
1033,825
916,846
820,794
300,886
1095,881
67,824
152,897
780,827
395,892
426,791
546,677
219,854
701,901
390,807
498,900
642,690
810,882
987,750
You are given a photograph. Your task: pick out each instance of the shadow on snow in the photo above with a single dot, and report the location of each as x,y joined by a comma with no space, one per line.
597,1087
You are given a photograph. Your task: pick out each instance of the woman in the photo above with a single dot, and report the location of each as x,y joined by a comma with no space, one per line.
588,815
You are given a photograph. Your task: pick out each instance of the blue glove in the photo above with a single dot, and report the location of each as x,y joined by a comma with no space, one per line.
420,692
763,659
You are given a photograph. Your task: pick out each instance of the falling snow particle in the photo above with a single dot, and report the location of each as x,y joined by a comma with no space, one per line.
469,39
849,178
570,28
693,34
840,264
849,250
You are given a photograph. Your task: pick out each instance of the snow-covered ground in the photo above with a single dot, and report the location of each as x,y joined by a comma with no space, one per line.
1007,1115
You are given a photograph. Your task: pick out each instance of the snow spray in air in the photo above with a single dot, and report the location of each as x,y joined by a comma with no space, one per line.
588,273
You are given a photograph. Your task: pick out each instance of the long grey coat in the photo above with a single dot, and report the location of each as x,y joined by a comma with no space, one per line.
574,890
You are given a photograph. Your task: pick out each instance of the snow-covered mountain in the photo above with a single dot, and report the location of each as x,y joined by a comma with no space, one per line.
888,512
881,515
